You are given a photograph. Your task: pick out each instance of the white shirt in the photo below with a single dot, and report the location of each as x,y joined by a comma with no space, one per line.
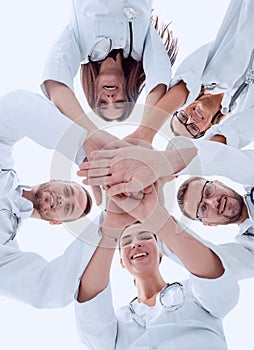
92,19
223,63
197,324
27,276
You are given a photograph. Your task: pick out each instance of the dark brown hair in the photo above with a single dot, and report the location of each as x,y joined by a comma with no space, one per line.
182,191
133,72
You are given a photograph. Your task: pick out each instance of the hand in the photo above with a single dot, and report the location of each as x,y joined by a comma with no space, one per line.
127,170
97,141
149,210
115,220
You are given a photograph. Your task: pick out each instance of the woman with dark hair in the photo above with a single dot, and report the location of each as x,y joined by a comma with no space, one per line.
163,315
120,50
212,82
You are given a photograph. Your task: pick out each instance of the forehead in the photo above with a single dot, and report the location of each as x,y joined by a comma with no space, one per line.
193,196
134,231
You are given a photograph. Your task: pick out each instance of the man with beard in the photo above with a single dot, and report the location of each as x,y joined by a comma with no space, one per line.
27,276
213,203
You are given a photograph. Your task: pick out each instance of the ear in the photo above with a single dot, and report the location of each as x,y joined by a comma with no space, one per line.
55,222
121,263
219,182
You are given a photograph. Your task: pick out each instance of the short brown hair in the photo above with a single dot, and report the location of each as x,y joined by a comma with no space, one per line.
89,203
215,120
182,192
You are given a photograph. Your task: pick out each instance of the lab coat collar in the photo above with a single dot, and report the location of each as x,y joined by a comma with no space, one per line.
20,205
248,223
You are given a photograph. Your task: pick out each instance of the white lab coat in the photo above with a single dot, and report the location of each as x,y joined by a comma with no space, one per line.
197,325
92,19
224,61
27,276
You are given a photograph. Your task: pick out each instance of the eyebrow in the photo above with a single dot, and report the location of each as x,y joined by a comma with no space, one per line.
72,190
139,234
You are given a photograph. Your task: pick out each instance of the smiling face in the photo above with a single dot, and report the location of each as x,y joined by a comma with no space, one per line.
111,89
139,251
60,201
213,203
200,114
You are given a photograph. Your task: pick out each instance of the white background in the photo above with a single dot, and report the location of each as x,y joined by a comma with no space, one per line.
27,30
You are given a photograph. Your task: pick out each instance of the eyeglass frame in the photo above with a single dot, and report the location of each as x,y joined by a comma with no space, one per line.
200,133
201,200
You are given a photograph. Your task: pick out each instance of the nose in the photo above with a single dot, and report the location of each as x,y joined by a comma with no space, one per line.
110,97
136,243
212,202
60,201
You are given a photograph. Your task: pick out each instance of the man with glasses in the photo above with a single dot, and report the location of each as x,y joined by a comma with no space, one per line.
213,203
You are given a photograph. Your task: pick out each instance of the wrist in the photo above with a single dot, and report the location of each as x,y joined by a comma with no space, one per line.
157,219
145,133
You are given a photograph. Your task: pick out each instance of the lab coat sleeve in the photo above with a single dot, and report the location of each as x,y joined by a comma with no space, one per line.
239,256
222,160
63,61
96,321
218,296
29,278
237,129
156,63
190,71
23,113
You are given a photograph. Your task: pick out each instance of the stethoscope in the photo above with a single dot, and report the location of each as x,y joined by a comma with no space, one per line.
14,218
103,46
171,297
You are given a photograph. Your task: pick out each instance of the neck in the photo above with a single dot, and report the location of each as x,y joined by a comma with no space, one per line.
29,195
149,287
110,63
245,214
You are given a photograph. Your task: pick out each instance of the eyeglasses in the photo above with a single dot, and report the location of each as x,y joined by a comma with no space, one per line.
192,128
208,191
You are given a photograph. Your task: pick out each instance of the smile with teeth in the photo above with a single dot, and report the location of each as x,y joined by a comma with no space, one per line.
138,255
110,87
222,206
52,202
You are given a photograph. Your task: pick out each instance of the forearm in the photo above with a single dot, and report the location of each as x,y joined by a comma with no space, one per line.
155,117
67,103
96,276
195,256
170,162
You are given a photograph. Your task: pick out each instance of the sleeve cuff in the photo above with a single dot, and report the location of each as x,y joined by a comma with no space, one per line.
219,295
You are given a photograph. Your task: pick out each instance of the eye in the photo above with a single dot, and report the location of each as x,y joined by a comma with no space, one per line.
145,237
202,210
125,243
193,128
208,191
182,117
66,209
